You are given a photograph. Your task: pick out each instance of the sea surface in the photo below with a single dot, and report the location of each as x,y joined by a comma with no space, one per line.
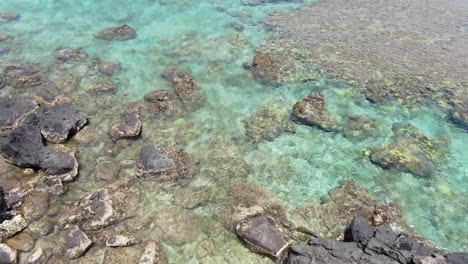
213,38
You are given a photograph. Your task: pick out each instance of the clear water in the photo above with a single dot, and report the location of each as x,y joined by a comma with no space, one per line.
298,168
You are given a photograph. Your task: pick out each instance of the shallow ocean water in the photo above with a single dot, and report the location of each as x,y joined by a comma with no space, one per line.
298,168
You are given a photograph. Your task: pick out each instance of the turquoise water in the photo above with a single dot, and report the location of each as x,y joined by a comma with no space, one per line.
213,39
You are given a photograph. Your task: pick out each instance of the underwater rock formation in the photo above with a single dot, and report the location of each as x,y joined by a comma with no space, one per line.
459,113
76,242
360,127
103,87
108,67
269,69
311,111
165,102
267,123
184,86
70,54
119,33
409,151
129,126
173,163
8,17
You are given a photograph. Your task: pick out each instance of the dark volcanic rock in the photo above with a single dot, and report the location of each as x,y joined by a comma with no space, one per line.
76,242
71,54
13,110
184,86
311,111
59,122
262,236
167,162
128,126
123,32
8,17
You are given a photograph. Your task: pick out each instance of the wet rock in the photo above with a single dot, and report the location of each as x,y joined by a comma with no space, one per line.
105,206
152,255
37,256
184,86
177,226
269,69
311,111
70,54
108,67
7,255
22,242
13,110
121,241
128,126
409,151
120,33
59,122
8,17
76,242
164,102
361,127
167,162
103,88
262,236
9,228
268,123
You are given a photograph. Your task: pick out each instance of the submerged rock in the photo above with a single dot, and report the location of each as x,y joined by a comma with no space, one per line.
268,123
459,113
311,111
168,162
70,54
165,102
76,242
108,67
13,110
7,255
128,126
8,17
59,122
119,33
361,127
103,87
262,236
269,69
184,86
409,151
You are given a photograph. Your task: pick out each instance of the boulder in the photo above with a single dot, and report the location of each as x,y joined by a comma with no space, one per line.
129,126
70,54
262,236
119,33
8,17
409,151
7,255
269,69
267,123
13,110
76,242
59,122
167,162
184,86
311,111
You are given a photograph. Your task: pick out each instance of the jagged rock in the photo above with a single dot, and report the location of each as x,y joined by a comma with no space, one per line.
70,54
22,242
120,33
7,255
409,151
311,111
76,242
168,162
128,126
269,69
37,256
8,17
105,206
121,241
9,228
262,236
103,87
164,102
184,86
152,255
267,123
108,67
13,110
59,122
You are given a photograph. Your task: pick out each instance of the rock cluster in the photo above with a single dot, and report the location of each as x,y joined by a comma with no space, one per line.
269,69
119,33
184,86
311,111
